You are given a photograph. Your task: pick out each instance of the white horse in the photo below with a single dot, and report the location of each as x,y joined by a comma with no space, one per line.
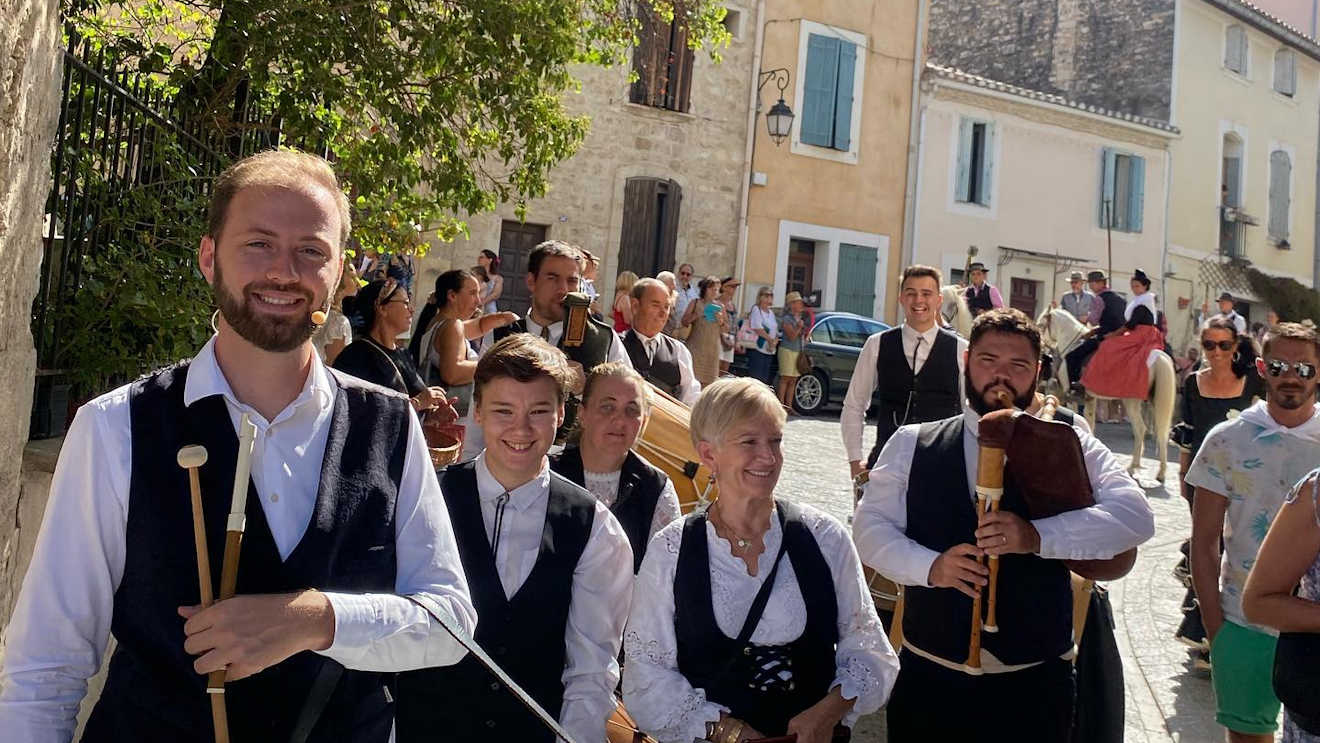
1062,332
953,308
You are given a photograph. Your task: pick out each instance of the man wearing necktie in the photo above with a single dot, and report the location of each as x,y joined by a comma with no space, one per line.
917,368
663,361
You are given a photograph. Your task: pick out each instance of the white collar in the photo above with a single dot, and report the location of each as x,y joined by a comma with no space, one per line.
205,378
1258,415
532,324
523,496
912,334
645,339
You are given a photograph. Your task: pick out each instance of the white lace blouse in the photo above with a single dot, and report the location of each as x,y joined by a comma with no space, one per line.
605,486
662,701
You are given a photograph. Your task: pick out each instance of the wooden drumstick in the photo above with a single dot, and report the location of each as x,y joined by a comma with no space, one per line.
247,433
192,458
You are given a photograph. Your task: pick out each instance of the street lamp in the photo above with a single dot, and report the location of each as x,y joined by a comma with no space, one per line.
779,122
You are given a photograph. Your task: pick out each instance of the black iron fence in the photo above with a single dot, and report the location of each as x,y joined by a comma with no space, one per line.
131,176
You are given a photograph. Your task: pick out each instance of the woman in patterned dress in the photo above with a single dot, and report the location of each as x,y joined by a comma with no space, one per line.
705,315
1290,557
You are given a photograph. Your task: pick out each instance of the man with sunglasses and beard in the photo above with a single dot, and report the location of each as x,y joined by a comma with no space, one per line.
1242,474
916,524
346,528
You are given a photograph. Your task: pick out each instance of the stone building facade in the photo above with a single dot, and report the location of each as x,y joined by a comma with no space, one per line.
663,178
1112,54
29,103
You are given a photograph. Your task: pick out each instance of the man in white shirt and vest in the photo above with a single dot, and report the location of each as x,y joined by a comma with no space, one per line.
663,361
344,522
1227,311
917,367
916,524
549,566
1078,300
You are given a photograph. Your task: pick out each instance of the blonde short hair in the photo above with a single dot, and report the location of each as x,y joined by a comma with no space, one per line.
289,169
624,282
727,401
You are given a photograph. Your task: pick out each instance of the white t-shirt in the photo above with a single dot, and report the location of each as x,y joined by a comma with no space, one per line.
763,321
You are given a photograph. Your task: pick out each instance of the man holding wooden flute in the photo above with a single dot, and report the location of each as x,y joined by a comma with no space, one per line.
917,525
344,521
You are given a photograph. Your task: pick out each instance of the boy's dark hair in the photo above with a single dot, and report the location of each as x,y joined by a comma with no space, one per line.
1293,331
1006,320
524,358
551,248
917,270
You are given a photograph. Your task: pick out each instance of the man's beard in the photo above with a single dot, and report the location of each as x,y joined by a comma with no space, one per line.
976,397
1292,397
276,335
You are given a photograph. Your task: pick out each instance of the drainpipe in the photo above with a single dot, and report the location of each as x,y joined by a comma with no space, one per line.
915,119
740,265
1164,249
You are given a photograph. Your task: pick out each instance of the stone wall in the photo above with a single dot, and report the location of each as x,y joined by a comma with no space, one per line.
1117,54
29,101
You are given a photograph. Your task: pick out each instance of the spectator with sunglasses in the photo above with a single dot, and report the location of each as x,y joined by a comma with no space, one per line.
1226,384
1242,474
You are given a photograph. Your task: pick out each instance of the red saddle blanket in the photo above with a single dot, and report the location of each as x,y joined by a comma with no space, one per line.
1118,367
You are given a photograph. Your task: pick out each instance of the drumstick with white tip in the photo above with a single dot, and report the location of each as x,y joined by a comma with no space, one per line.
192,458
247,434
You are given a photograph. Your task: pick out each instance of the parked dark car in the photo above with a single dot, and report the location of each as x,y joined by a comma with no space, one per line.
834,344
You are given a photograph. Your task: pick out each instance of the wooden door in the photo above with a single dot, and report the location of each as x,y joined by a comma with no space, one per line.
1023,295
516,241
801,266
856,280
651,208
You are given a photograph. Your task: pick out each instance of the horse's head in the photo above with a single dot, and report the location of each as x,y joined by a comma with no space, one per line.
953,308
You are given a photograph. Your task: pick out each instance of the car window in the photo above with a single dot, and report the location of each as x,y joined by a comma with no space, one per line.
821,333
850,331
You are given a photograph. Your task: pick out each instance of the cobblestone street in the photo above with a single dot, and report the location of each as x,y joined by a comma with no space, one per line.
1167,699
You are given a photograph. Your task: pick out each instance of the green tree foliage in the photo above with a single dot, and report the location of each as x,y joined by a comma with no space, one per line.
433,109
1292,301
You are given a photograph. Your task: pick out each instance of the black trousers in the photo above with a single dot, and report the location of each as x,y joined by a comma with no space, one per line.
1078,356
933,703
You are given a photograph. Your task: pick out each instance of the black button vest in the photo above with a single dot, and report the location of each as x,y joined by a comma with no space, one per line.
707,657
524,634
914,398
978,302
662,370
1035,595
640,486
152,692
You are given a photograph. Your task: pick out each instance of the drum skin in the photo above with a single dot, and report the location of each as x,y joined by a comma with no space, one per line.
667,444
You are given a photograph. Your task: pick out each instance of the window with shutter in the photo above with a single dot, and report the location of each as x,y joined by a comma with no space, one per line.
1235,50
1108,161
827,92
1122,191
975,162
1285,72
663,63
1280,199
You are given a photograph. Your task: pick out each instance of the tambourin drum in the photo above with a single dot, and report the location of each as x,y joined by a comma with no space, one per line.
666,444
621,728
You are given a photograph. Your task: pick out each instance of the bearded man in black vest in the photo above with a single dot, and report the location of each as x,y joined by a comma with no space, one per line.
917,525
1107,315
916,366
549,567
345,519
663,361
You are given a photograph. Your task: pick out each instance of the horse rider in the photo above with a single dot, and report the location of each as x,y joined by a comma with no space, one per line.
981,296
1106,315
1079,300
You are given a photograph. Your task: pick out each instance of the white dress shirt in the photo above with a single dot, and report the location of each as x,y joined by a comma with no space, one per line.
61,623
685,296
616,352
1238,321
688,386
660,698
864,381
602,592
605,486
1120,519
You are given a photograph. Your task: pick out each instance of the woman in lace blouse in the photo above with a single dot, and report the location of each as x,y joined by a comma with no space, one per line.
728,641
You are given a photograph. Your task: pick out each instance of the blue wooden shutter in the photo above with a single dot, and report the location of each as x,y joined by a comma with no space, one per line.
1136,192
819,90
843,96
987,163
962,182
1108,160
1280,177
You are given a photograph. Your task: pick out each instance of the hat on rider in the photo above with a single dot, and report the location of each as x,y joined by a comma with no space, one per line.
1141,277
1225,297
1097,276
1075,276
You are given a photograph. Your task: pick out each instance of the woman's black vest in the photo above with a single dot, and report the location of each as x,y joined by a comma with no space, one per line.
152,692
523,634
1034,594
731,673
640,486
906,397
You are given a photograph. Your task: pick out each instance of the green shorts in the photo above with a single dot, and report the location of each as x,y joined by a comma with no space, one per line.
1241,669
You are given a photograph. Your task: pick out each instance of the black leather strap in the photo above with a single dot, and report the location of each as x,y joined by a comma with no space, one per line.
438,613
317,698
